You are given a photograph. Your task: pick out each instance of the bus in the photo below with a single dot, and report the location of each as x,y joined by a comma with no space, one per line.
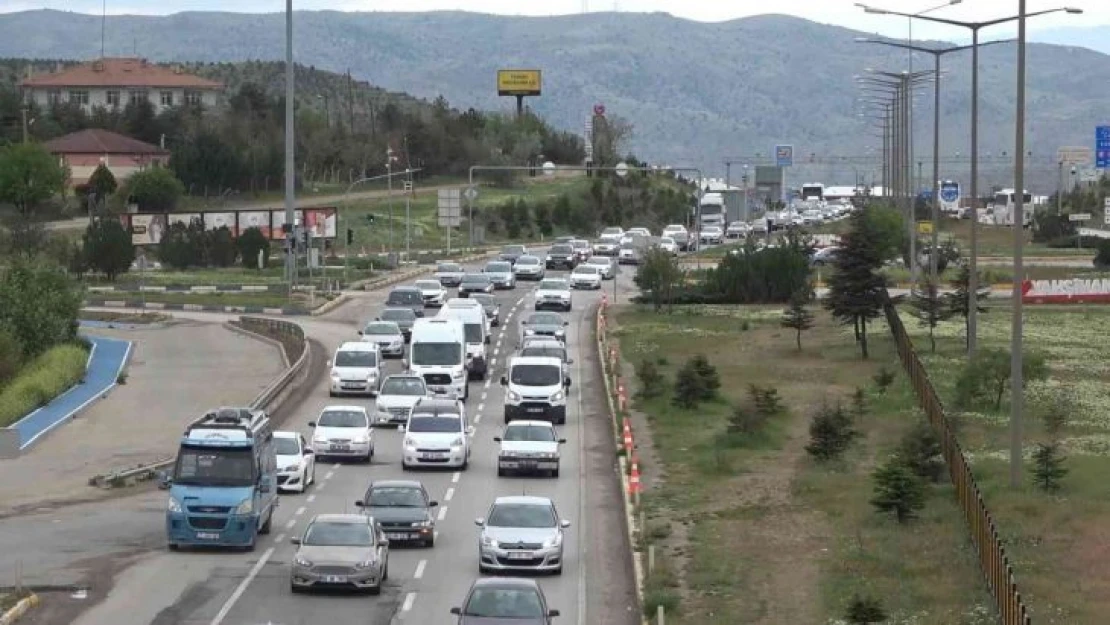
813,191
1004,204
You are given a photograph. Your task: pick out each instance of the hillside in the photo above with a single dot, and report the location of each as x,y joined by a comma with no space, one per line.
695,92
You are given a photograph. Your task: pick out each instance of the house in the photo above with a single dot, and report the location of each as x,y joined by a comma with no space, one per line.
115,82
84,150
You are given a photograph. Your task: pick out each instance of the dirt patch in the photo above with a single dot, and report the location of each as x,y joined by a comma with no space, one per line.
66,605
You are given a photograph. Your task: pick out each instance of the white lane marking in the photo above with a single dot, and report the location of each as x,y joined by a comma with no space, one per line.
289,524
329,474
279,538
420,569
449,494
485,395
409,600
242,587
299,511
481,407
477,417
497,350
311,498
487,385
582,490
455,477
335,466
442,513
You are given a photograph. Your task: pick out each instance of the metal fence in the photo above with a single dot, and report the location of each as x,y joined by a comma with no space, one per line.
278,329
993,560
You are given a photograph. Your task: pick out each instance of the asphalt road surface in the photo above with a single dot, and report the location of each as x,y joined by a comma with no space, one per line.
228,588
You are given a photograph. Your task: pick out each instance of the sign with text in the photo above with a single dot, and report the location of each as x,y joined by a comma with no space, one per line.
449,208
1102,147
1075,291
524,82
1074,155
1079,217
784,156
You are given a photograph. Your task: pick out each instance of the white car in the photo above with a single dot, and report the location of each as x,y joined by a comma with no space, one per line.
554,293
643,232
433,291
296,462
737,230
527,447
673,229
343,432
629,255
355,369
449,273
668,245
399,393
437,434
529,268
711,234
607,244
586,277
603,264
386,335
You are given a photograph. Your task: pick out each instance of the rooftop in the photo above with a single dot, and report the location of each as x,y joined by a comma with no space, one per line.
121,72
100,141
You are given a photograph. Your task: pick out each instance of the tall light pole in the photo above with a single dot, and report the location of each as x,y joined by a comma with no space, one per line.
975,27
290,145
1017,382
937,53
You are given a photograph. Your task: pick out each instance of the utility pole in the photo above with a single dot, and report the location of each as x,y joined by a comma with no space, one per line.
23,110
290,146
1017,383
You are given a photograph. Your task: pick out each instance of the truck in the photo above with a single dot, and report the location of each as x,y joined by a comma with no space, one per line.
711,211
223,486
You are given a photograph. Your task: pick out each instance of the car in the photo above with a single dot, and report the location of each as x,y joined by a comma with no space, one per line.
680,235
711,234
403,509
604,265
475,283
296,462
510,253
586,276
343,432
564,239
497,601
449,274
387,335
403,317
521,533
824,256
547,346
398,394
535,388
544,324
490,305
529,446
642,232
608,243
406,297
628,255
667,244
738,230
433,292
554,293
501,274
355,369
582,249
529,268
612,231
345,551
561,255
437,435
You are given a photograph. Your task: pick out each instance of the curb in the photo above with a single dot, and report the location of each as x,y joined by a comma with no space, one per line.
190,288
327,307
19,609
247,310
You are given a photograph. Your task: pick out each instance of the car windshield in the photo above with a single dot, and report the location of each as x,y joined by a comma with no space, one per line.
561,249
527,260
512,249
599,262
405,297
586,269
580,243
382,328
541,433
545,319
535,375
666,240
395,497
404,386
286,446
521,515
473,332
202,466
440,424
548,352
449,268
485,299
610,231
427,285
398,314
356,359
553,285
504,603
324,534
436,354
342,419
476,278
499,268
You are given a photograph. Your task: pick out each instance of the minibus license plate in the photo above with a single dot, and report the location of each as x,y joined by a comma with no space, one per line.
208,535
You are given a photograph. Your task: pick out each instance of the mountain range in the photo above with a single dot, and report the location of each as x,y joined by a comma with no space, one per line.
696,93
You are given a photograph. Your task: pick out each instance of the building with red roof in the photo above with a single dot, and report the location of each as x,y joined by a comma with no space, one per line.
84,150
115,82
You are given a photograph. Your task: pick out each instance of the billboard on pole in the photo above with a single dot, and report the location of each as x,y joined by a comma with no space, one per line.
525,82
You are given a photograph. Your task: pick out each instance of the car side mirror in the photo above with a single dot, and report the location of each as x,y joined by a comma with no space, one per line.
295,540
479,522
564,523
264,487
164,480
308,451
331,363
553,613
433,504
570,361
566,323
470,431
360,333
360,504
456,610
562,441
504,381
384,542
497,439
566,382
311,424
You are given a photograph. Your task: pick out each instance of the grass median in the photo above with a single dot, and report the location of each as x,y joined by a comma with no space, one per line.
1055,538
212,298
747,527
41,380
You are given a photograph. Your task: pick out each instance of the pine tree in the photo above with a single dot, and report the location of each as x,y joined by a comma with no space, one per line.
689,388
711,380
856,288
922,453
798,317
898,490
959,300
1048,466
930,308
830,433
863,610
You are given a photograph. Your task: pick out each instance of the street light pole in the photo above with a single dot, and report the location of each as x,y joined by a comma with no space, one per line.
290,145
346,205
1017,383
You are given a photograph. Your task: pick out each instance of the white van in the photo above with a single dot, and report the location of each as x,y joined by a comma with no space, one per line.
536,389
476,330
438,354
466,302
355,369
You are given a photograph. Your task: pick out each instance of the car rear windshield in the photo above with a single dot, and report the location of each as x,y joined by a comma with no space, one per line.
553,285
389,328
405,298
395,497
504,603
498,268
512,249
561,249
342,419
545,319
404,386
476,278
399,314
356,359
449,268
440,424
527,260
544,352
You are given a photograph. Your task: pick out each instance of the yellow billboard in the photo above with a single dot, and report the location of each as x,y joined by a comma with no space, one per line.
518,82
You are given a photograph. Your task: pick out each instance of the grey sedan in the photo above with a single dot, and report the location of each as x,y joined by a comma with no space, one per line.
505,601
521,533
340,551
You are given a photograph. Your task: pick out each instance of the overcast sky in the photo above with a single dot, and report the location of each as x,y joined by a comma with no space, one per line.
842,12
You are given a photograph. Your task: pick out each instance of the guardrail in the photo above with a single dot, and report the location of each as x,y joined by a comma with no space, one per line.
993,561
295,354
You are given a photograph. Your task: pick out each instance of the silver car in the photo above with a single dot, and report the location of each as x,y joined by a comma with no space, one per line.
388,336
501,274
521,533
449,274
347,551
604,264
529,268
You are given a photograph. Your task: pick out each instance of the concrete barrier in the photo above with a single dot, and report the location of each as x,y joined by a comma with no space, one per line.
20,609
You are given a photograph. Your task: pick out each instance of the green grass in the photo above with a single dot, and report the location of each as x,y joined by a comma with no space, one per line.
1055,540
1004,275
268,300
122,317
50,374
749,530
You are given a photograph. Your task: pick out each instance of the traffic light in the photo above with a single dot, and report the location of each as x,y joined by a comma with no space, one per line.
307,238
350,236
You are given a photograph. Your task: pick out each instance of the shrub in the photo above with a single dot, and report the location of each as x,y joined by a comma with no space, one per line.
1048,466
107,248
865,610
39,306
252,241
883,379
920,449
745,420
1102,256
651,380
222,251
708,373
831,433
11,355
766,400
689,388
859,403
987,376
43,379
898,490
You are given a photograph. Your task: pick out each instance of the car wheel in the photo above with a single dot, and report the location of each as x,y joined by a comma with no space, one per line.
500,472
405,467
375,590
331,394
312,476
295,589
173,547
558,571
385,570
555,473
482,570
265,529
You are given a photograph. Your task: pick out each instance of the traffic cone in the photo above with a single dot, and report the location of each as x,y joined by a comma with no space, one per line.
634,478
627,437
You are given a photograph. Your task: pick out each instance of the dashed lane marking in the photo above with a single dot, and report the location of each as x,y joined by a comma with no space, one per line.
279,538
455,477
442,513
420,569
290,523
311,498
329,474
449,494
299,511
409,600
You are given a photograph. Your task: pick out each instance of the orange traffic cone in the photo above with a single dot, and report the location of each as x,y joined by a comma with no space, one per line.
627,437
634,478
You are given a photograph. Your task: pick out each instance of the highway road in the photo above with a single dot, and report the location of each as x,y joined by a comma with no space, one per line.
226,588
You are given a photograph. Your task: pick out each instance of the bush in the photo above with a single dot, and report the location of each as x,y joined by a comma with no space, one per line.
920,449
696,381
987,376
883,379
831,432
1102,256
766,400
43,379
154,189
651,380
252,241
39,306
107,248
11,355
865,610
1048,466
898,490
745,420
767,276
708,373
222,251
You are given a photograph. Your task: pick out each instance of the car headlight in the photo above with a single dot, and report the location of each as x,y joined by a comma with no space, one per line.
489,542
173,505
529,332
424,523
458,375
560,332
554,541
558,396
409,442
334,375
301,561
361,439
365,565
293,467
514,396
245,507
373,375
320,440
457,442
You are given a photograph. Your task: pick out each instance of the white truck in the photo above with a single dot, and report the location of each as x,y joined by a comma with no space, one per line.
438,354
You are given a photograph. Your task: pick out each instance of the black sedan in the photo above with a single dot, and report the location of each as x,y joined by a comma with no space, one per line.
475,283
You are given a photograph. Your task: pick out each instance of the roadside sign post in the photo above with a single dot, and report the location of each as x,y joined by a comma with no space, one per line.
1106,212
449,213
1102,147
471,194
141,260
408,216
1079,217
